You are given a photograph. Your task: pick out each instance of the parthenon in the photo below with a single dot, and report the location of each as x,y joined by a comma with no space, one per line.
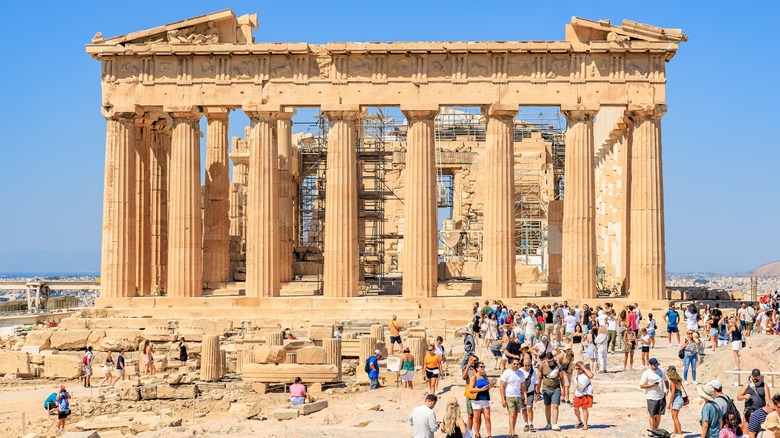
531,208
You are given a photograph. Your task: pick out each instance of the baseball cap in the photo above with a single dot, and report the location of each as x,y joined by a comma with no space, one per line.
654,362
756,372
716,384
555,304
379,352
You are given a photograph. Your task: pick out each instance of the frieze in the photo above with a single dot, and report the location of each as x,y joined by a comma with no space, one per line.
439,66
359,67
478,66
280,68
400,67
165,69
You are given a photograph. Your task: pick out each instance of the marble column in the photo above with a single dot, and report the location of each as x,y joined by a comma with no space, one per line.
647,259
143,236
578,262
262,215
340,277
185,225
286,237
421,260
216,223
117,270
158,166
498,241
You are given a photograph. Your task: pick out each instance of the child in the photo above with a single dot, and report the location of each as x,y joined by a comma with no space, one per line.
645,341
651,330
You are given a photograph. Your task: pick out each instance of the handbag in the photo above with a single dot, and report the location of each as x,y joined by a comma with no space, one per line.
686,400
468,394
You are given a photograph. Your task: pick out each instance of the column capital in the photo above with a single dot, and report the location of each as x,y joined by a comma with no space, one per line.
341,112
113,113
499,110
191,115
655,111
216,113
419,113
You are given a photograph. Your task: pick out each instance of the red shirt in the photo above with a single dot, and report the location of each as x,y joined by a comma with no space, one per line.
632,320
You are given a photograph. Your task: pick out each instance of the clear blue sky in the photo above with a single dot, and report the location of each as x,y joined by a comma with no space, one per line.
720,165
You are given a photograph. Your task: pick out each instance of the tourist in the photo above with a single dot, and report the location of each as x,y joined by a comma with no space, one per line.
373,369
507,337
423,419
772,424
490,330
544,347
651,329
480,385
592,351
733,425
656,385
747,315
528,326
407,369
758,418
469,346
511,392
633,320
395,334
432,362
566,362
338,332
622,327
692,317
583,394
723,332
469,371
644,343
691,356
63,411
453,425
530,391
672,318
87,361
675,401
298,395
50,404
557,322
711,416
120,367
182,351
601,348
730,427
441,351
629,343
612,326
108,366
735,337
551,390
713,324
754,392
569,322
149,357
576,338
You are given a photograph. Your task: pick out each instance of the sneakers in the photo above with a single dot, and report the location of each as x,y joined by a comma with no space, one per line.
556,428
548,427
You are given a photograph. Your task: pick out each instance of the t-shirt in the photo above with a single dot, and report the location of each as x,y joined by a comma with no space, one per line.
432,361
297,390
89,356
692,320
513,348
542,348
529,325
548,317
632,320
612,324
393,327
571,321
583,380
654,376
52,398
550,383
64,402
602,317
513,380
558,316
586,315
120,362
672,316
750,314
371,373
534,378
423,419
711,414
756,418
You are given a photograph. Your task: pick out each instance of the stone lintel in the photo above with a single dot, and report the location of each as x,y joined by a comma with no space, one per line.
261,107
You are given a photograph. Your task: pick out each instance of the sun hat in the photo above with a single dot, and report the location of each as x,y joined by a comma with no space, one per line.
379,352
772,421
707,392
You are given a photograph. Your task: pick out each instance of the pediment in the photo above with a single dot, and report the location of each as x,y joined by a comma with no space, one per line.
585,31
222,27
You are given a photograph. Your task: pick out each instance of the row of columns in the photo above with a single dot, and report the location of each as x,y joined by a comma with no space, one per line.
149,195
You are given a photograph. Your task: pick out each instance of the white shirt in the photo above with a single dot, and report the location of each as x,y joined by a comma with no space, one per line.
602,317
578,314
583,380
657,376
571,321
540,347
534,378
513,380
337,334
423,419
529,326
612,323
693,324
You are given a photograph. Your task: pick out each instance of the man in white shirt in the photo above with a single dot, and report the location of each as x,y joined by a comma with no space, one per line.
423,419
511,392
570,321
656,386
529,327
528,389
544,346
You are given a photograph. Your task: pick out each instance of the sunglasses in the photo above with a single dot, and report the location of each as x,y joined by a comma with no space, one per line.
481,366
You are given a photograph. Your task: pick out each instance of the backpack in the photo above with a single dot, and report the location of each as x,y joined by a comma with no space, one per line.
368,366
85,360
659,433
731,408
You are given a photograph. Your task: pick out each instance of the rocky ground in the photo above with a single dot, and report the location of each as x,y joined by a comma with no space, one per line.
223,409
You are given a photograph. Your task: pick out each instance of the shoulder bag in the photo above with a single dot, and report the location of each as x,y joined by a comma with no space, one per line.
686,400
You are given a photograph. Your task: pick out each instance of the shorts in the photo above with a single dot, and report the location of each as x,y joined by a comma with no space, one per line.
62,414
408,376
749,326
50,406
395,340
645,349
557,329
480,404
651,332
722,342
120,372
584,402
87,370
530,403
432,374
106,369
736,345
552,397
514,404
295,401
672,329
656,407
742,325
713,332
678,402
469,408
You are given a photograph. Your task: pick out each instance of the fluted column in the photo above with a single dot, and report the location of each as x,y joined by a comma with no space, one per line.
420,266
284,128
143,233
216,223
498,241
578,263
262,216
117,266
158,211
211,359
647,269
340,278
185,226
332,348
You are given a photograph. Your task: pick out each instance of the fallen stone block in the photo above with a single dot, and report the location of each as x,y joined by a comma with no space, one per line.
260,388
70,339
179,392
31,349
38,338
131,394
117,344
285,414
310,408
14,362
318,332
154,422
31,435
368,406
269,354
312,356
88,434
73,323
244,410
286,373
95,337
59,366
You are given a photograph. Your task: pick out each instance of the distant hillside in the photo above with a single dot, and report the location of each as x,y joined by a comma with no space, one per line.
768,270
